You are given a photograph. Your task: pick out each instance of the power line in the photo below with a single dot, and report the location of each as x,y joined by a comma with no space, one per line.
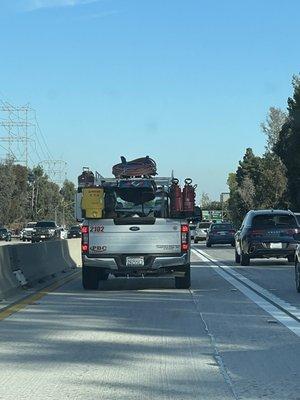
25,141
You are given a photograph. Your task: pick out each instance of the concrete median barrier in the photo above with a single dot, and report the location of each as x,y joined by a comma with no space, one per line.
36,262
8,281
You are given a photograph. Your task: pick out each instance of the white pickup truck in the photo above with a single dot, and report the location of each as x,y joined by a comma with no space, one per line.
135,240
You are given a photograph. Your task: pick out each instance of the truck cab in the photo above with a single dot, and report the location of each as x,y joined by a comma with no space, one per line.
132,233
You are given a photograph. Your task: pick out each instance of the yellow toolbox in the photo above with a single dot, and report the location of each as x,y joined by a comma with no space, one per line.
92,203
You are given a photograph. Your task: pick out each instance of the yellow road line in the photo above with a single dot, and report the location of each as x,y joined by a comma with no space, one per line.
19,305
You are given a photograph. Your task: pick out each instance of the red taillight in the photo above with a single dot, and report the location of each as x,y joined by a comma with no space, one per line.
184,237
184,228
85,248
85,239
85,229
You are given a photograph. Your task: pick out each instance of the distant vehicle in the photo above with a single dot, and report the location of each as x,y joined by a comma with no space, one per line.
21,234
5,234
267,234
297,215
220,233
45,230
63,232
192,229
201,231
74,232
27,231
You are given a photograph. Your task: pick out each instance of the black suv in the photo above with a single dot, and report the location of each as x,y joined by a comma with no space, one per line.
220,233
74,232
267,234
5,234
45,230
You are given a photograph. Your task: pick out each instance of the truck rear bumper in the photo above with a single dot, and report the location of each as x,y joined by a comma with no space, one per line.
159,263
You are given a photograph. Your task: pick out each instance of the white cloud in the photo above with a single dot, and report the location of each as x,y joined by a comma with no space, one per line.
38,4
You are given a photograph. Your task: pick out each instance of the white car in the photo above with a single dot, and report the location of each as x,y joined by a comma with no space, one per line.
201,231
27,231
63,233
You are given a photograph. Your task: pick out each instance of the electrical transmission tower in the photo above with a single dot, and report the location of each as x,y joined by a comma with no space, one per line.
56,170
23,142
16,126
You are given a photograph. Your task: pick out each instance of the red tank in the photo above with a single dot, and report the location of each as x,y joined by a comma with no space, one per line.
175,197
188,196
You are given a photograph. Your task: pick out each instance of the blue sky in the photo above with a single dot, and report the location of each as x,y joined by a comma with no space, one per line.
187,82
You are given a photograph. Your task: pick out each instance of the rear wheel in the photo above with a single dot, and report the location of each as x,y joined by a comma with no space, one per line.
297,276
237,257
291,258
184,282
195,241
245,259
103,275
89,278
208,244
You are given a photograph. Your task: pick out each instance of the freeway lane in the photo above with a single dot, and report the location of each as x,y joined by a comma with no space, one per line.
277,276
154,343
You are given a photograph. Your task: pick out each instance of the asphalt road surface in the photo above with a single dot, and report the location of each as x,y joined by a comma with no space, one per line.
143,339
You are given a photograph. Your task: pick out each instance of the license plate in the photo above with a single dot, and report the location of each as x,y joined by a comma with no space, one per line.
43,236
135,261
275,245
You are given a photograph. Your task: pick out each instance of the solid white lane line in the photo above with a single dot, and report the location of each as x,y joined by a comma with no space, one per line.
279,315
294,311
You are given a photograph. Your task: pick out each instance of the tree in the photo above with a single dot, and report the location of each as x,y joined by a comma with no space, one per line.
68,202
19,204
248,167
7,184
46,196
205,200
272,126
271,191
259,182
288,146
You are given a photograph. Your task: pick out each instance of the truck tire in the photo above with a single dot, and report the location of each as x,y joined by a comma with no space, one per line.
89,278
291,259
245,259
237,257
184,282
102,275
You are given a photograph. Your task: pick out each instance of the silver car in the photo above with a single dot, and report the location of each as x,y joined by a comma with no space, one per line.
201,231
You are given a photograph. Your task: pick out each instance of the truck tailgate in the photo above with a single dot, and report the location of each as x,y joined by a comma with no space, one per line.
163,237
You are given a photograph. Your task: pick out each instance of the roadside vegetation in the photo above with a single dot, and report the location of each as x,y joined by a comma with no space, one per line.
29,195
273,179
